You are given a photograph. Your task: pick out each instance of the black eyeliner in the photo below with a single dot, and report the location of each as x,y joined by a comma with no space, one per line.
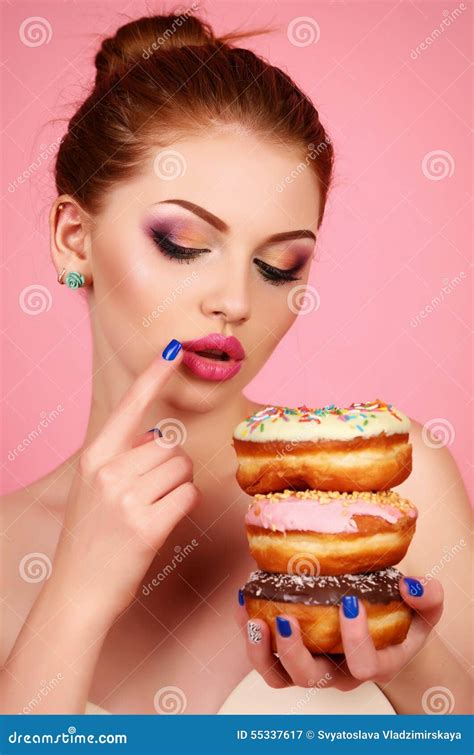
271,274
174,250
279,276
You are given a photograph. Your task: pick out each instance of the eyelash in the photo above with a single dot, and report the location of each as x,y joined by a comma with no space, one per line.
273,275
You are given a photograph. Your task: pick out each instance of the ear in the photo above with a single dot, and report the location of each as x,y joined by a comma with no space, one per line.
70,239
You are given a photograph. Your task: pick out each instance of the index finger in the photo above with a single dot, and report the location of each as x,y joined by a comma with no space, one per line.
126,420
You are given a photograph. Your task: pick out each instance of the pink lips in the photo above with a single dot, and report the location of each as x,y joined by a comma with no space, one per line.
214,369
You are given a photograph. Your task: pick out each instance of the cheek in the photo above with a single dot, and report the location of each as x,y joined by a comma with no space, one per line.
129,273
139,295
272,315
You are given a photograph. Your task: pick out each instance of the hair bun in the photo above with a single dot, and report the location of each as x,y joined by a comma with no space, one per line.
140,39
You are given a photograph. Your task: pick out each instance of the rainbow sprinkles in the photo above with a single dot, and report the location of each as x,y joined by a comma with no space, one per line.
365,418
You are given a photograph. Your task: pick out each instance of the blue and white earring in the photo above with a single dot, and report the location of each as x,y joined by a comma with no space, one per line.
73,279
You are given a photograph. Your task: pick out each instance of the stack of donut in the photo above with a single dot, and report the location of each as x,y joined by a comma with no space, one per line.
324,521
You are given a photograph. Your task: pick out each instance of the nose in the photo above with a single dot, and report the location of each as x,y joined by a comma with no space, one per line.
229,296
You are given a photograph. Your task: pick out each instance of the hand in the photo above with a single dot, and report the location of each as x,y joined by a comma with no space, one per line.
361,661
128,495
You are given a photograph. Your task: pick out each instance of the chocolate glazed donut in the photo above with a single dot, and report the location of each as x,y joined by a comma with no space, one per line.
314,602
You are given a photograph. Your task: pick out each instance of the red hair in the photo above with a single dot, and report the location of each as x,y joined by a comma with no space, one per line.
161,78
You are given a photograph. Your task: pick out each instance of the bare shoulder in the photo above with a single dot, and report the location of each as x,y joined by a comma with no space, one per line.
29,535
435,470
440,548
436,485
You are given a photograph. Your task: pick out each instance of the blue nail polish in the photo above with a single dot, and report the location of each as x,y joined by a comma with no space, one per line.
241,598
171,351
350,606
283,626
156,430
415,588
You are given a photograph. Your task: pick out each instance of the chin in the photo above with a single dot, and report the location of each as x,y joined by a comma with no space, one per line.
194,396
199,396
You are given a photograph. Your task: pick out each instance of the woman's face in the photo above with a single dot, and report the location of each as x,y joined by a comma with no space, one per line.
190,248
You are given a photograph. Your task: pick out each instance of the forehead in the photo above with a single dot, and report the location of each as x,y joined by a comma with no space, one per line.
236,176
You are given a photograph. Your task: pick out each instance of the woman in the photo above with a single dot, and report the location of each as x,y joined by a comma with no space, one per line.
178,156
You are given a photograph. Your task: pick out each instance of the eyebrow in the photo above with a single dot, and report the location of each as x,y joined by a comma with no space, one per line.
223,227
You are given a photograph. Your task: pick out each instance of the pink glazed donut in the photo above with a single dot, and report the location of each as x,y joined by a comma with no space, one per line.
318,532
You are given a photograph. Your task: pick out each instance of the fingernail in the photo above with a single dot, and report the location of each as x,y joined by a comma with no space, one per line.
350,606
283,626
415,588
241,597
156,430
172,350
254,631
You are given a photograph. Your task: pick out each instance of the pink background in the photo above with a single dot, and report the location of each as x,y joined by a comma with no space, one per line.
391,238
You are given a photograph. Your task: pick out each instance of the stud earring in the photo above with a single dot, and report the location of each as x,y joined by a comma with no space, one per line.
75,280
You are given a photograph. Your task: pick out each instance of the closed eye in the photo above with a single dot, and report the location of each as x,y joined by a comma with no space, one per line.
180,253
274,275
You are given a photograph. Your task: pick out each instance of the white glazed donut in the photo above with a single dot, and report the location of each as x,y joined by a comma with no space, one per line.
363,447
